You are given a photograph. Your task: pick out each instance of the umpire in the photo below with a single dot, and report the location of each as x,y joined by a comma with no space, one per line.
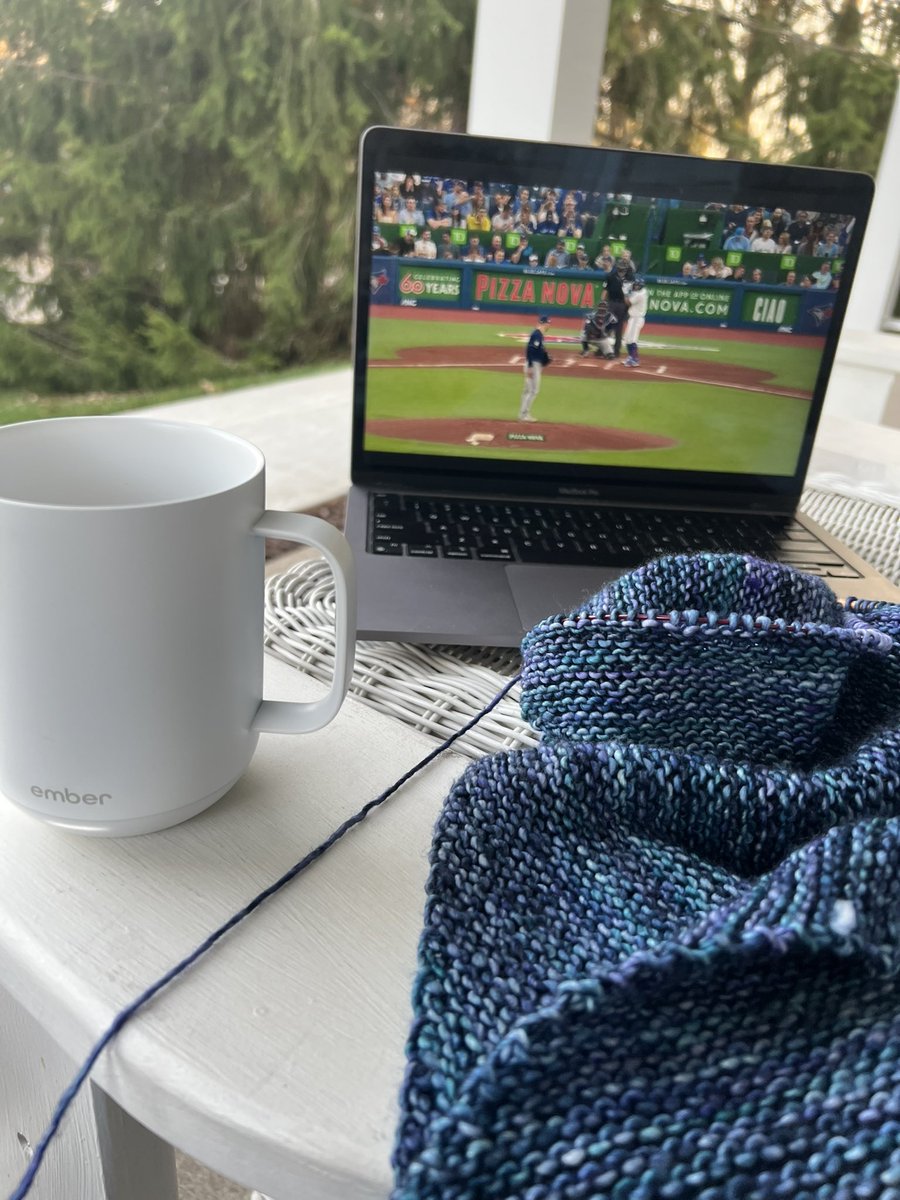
615,295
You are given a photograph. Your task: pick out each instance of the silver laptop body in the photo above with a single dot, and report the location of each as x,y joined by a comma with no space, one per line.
463,244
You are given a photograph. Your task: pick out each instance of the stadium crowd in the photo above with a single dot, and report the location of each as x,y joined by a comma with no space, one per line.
430,210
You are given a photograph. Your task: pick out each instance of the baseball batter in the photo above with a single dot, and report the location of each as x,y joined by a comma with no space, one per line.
536,358
637,301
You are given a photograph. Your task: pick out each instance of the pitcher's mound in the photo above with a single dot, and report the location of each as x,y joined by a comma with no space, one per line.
541,435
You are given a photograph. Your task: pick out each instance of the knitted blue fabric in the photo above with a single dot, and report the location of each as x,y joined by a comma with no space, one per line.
660,955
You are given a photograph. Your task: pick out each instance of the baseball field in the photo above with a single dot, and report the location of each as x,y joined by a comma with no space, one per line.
449,382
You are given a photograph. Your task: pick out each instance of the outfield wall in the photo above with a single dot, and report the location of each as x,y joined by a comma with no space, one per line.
417,282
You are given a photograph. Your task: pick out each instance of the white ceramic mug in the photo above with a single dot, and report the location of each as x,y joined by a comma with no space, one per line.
131,619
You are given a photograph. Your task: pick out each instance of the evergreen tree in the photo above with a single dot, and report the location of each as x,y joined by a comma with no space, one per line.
845,86
797,81
188,168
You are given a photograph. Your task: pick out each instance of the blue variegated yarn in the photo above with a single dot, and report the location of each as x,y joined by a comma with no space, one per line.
660,955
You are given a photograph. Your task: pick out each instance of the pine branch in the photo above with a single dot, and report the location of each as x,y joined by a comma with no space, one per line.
780,33
44,69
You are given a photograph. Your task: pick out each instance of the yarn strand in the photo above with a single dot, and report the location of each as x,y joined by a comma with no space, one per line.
124,1015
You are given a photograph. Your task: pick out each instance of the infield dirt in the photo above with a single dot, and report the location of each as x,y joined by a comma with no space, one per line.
660,368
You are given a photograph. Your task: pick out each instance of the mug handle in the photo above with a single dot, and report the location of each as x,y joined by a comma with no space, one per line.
285,716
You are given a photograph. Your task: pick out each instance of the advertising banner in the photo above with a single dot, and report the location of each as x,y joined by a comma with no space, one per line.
768,308
462,285
441,284
526,290
688,302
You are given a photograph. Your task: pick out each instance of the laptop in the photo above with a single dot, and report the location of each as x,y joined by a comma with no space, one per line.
492,488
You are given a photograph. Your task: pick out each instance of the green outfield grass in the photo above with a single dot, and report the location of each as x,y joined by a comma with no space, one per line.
714,427
760,432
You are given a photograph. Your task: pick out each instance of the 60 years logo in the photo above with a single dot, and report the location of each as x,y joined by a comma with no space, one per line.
418,282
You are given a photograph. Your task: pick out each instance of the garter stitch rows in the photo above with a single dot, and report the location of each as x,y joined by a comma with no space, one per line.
660,955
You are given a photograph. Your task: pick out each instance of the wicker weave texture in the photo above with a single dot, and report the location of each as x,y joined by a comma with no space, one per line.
872,530
433,688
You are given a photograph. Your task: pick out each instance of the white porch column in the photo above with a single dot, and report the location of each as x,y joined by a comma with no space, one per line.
879,264
865,382
536,69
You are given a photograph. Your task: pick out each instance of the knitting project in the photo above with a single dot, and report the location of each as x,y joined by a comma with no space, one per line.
660,953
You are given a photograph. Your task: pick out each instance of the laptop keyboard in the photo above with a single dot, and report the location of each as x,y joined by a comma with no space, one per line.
584,535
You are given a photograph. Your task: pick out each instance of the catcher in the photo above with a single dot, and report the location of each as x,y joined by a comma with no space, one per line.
596,331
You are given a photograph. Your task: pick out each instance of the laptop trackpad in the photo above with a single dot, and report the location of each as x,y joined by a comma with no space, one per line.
541,592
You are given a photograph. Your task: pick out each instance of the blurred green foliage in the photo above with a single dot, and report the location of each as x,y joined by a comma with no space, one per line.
789,80
179,176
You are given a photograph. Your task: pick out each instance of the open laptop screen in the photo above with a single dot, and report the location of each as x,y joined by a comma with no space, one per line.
734,277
